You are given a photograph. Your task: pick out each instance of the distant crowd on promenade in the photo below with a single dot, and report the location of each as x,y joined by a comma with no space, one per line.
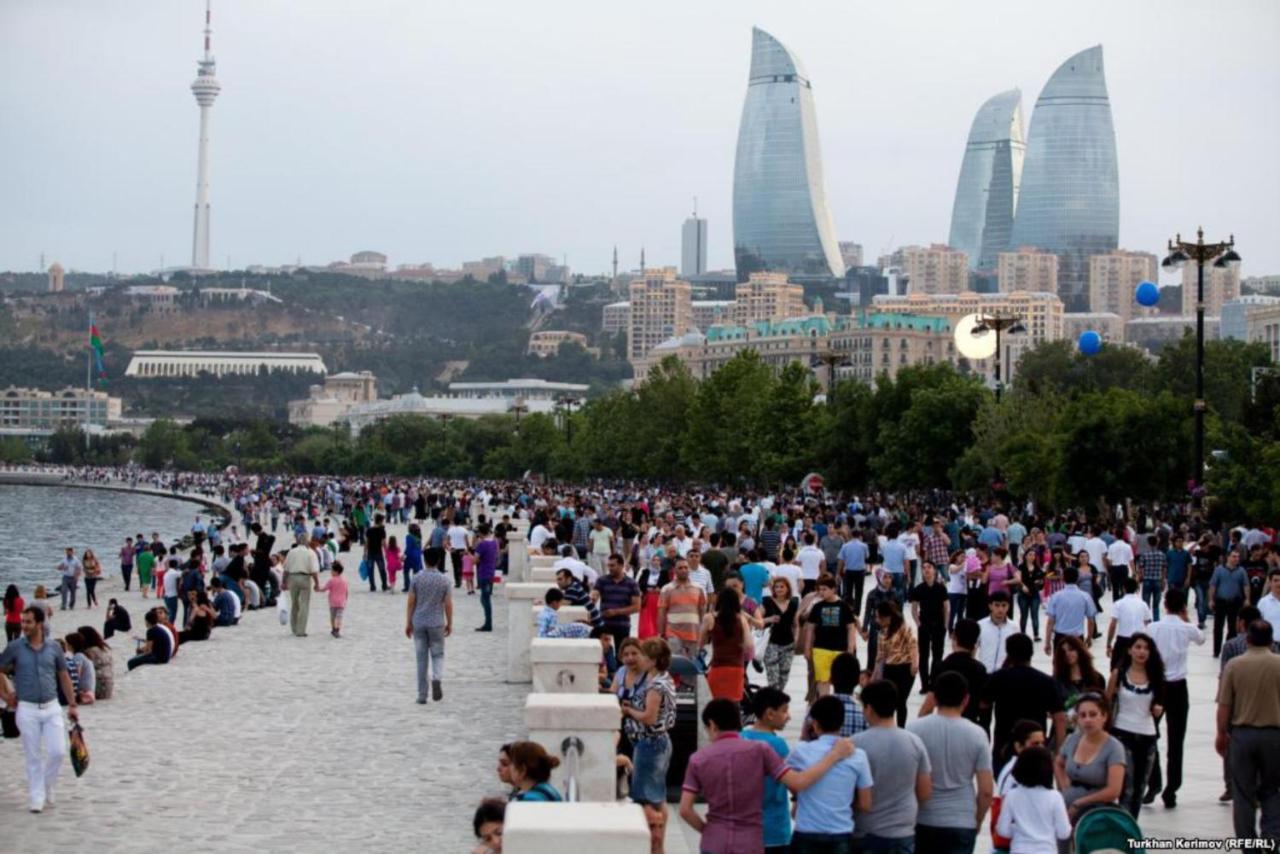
869,591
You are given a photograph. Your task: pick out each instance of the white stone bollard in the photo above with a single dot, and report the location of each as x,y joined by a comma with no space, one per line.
614,828
593,720
565,665
517,556
542,560
542,574
572,614
520,628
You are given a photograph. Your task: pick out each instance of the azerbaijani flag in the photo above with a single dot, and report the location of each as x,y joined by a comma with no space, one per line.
95,344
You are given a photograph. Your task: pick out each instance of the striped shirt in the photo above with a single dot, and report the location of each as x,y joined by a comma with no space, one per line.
684,604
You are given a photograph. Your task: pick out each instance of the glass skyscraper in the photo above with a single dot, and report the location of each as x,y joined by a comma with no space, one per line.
781,222
987,192
1069,203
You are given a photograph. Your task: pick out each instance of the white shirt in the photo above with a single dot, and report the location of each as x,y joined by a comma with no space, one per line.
701,576
1076,544
991,638
538,536
1131,615
1173,636
1096,549
457,537
911,541
789,571
1034,818
577,568
810,559
1120,554
171,579
1269,605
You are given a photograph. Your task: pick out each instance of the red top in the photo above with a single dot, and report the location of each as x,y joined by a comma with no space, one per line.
13,616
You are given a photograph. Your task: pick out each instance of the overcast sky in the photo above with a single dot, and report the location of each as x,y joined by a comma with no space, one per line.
441,132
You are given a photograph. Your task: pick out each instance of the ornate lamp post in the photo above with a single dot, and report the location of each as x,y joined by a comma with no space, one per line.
1180,252
1000,324
566,402
519,408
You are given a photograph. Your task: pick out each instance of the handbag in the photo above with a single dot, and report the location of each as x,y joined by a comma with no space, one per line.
761,640
364,569
79,750
282,610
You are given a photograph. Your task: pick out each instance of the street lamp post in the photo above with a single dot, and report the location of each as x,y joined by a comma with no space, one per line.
832,360
1180,252
567,402
1000,324
519,408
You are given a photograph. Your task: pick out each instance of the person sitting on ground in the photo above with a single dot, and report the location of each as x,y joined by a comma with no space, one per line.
531,768
203,616
86,679
226,603
487,824
117,620
158,648
97,651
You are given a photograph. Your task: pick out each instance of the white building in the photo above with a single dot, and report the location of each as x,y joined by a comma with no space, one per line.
467,400
693,246
1235,314
328,402
29,411
191,363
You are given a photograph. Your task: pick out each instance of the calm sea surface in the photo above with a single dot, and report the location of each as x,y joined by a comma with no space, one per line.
38,522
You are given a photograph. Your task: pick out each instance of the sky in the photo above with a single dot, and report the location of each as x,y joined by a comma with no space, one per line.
442,132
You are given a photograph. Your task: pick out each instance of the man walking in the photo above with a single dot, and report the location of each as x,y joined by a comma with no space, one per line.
301,576
619,598
1249,704
1228,590
1129,615
457,542
428,621
71,570
930,609
1153,565
1069,612
900,766
39,668
487,551
681,607
374,539
1173,633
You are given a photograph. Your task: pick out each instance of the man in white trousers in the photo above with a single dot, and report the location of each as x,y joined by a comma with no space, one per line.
38,666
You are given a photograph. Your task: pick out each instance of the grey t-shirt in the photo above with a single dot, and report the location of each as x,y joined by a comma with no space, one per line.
958,750
431,588
1092,776
35,676
897,757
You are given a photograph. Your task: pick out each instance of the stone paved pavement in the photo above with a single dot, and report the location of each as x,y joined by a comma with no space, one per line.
259,741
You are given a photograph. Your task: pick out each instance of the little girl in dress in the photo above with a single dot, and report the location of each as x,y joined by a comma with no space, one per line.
469,572
395,560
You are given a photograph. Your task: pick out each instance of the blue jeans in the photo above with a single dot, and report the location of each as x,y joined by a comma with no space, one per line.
1151,595
872,844
428,645
899,586
1029,603
650,757
1202,602
486,603
821,843
946,840
171,605
957,601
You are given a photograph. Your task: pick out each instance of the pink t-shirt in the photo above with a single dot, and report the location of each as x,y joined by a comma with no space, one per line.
997,575
337,587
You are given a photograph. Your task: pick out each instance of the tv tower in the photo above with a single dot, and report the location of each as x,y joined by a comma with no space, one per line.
206,88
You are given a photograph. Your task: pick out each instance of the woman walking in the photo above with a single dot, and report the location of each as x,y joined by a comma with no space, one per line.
92,573
897,654
1030,580
1074,672
1091,766
1136,693
652,578
729,634
781,617
412,554
13,606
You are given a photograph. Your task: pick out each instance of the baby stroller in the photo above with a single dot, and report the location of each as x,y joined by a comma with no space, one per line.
1107,829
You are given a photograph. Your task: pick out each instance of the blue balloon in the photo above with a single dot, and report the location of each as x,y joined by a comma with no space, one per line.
1147,294
1090,342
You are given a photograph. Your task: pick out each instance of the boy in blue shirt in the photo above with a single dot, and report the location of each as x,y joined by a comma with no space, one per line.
823,820
773,711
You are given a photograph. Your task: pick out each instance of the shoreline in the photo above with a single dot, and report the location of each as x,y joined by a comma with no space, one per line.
223,511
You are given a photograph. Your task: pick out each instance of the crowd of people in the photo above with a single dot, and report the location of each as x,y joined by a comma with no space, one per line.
869,592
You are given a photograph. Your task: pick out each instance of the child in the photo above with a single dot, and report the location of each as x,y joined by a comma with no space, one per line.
394,560
469,572
337,588
1033,814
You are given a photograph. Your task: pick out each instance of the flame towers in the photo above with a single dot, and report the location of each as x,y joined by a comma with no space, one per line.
206,88
780,217
1069,202
987,192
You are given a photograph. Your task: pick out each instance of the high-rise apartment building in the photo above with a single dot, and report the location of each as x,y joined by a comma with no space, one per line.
534,267
1069,198
767,296
1113,279
781,221
1027,269
1220,285
990,174
936,269
57,278
850,254
1041,312
693,246
661,307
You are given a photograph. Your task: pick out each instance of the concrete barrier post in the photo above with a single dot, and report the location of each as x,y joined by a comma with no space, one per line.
532,828
517,556
558,721
520,628
565,665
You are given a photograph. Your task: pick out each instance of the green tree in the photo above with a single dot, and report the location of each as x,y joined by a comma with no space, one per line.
727,428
